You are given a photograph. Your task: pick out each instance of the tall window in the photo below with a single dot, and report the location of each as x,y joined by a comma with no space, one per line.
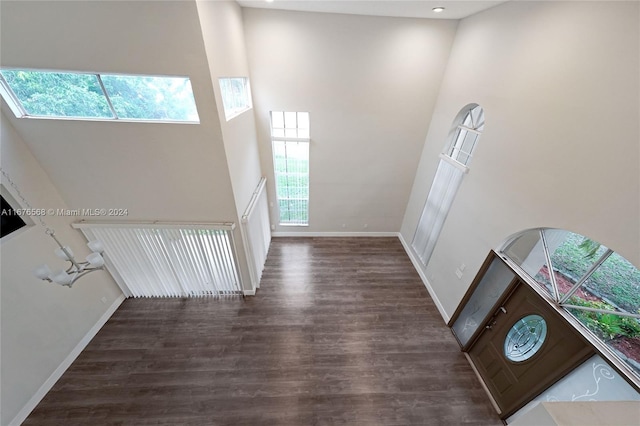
452,167
290,138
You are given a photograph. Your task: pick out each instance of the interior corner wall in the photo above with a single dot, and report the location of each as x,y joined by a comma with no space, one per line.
223,34
41,323
559,83
157,171
370,85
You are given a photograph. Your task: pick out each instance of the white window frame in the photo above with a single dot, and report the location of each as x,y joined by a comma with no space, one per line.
448,178
245,101
279,138
19,111
472,122
559,301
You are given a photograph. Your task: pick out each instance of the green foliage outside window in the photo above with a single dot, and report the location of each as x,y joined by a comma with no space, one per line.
605,326
292,186
616,279
78,95
58,94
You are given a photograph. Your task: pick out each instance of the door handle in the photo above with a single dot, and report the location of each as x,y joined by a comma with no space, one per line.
493,322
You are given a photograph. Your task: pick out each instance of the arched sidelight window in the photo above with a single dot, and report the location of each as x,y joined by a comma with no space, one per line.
600,288
454,162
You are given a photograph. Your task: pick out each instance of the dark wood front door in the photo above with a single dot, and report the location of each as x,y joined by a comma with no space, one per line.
525,348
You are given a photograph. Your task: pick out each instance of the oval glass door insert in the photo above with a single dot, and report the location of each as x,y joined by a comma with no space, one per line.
525,338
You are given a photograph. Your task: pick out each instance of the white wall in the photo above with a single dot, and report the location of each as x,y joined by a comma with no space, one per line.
174,172
369,85
157,171
41,323
223,34
559,85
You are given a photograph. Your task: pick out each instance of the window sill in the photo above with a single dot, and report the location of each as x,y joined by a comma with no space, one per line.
234,114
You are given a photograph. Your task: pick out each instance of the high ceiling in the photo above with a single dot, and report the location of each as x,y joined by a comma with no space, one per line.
454,9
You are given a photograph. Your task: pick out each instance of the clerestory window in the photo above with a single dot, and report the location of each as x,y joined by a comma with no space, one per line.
93,96
236,96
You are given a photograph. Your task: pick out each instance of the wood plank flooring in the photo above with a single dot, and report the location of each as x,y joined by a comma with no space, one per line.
341,332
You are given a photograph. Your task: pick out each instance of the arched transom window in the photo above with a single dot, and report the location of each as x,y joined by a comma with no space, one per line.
600,288
466,136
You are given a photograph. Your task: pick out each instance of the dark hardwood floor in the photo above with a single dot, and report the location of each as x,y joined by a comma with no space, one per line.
341,332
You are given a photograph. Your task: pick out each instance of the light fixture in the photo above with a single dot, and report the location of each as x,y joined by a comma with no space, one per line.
438,9
93,262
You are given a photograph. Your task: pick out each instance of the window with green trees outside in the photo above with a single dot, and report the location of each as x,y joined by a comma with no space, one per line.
598,286
290,140
78,95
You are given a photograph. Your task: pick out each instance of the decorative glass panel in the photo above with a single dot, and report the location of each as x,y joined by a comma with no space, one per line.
594,380
492,285
525,338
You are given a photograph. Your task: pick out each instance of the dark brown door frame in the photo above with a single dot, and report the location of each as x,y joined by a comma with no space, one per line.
563,350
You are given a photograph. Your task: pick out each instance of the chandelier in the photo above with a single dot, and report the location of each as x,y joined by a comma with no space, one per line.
76,269
93,262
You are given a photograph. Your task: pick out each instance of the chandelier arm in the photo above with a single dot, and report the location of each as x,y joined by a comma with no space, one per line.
79,275
77,269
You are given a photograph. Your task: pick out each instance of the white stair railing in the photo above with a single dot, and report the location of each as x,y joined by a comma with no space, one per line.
256,232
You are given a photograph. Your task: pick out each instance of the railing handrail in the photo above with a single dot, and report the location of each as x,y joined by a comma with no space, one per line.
254,199
225,226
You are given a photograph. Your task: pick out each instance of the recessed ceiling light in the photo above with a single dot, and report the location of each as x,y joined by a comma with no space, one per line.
269,1
438,9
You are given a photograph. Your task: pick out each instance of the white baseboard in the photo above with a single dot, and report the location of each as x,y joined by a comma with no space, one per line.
334,234
251,292
417,264
48,384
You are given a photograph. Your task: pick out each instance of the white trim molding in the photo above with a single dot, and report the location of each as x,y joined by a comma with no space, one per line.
334,234
64,365
417,264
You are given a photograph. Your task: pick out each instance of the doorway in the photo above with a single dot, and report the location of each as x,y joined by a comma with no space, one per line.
525,347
